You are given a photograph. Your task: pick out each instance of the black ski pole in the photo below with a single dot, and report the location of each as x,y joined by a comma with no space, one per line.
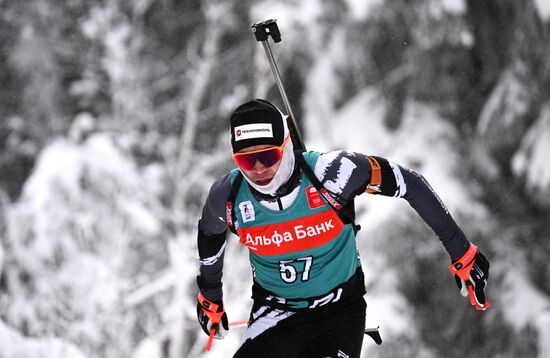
262,31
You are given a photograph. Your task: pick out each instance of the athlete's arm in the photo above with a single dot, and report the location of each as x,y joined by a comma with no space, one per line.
211,239
348,174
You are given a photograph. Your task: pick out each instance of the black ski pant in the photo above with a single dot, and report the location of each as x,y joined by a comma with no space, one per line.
335,332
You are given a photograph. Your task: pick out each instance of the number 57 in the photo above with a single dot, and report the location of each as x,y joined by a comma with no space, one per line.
288,270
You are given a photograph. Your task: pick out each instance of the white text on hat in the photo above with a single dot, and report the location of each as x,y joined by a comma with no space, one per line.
255,130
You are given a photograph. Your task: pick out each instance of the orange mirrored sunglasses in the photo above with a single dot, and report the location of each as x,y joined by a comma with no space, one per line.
267,156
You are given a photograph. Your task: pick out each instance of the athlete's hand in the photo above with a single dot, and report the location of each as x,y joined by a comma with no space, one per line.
471,272
211,316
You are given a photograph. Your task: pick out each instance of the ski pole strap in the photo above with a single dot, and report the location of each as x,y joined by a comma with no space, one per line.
211,309
462,266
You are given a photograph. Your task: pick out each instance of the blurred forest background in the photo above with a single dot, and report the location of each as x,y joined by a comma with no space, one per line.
113,125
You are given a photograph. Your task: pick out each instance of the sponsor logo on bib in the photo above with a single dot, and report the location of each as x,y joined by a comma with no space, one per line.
247,211
291,236
313,198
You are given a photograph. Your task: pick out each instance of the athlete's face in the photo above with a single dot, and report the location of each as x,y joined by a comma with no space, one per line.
260,174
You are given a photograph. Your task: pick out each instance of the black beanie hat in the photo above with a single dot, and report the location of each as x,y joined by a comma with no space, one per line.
256,122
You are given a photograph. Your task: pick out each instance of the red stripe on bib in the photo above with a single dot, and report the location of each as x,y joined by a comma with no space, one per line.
292,236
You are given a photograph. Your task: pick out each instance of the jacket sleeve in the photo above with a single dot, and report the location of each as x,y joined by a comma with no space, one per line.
431,209
348,174
211,237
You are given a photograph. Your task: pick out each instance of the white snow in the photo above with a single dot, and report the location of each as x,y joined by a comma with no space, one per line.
532,158
89,226
543,9
525,305
1,259
454,6
287,14
423,143
525,308
507,102
360,9
14,345
83,214
423,133
148,348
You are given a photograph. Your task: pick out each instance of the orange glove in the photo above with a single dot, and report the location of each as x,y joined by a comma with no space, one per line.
471,272
212,317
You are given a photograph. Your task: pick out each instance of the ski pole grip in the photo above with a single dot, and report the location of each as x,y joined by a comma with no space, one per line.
263,29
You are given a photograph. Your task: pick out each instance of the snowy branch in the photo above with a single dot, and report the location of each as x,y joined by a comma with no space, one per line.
200,76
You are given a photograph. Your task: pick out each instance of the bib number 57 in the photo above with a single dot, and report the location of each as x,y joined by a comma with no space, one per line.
289,272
